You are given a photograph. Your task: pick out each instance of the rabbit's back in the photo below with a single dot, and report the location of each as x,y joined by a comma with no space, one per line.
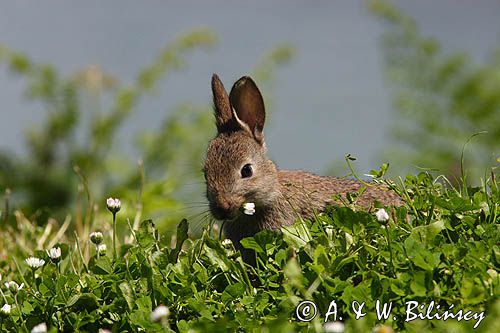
306,193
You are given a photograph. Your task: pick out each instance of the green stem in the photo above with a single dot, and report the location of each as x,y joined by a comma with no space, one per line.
20,313
3,295
390,247
165,325
348,158
80,252
114,237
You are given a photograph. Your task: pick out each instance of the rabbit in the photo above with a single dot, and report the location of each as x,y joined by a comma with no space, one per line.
238,171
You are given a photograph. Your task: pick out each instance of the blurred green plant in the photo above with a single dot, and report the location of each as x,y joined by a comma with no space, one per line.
441,99
47,178
63,173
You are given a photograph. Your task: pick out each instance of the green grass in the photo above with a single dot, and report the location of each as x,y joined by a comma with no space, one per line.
443,246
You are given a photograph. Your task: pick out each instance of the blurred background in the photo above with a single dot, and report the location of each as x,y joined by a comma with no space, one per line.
113,98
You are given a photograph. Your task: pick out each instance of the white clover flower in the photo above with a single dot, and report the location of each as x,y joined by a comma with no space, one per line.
249,208
34,262
103,330
334,327
96,237
382,215
329,232
101,249
114,205
54,254
5,309
40,328
13,286
348,239
159,313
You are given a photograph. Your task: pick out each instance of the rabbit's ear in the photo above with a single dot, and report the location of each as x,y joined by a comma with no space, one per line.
222,107
249,109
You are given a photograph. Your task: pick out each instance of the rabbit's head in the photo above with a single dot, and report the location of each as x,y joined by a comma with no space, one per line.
237,170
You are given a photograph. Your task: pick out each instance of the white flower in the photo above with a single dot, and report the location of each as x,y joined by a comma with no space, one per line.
348,239
13,286
249,208
334,327
159,313
101,248
382,215
96,237
227,243
54,253
114,205
5,309
34,262
40,328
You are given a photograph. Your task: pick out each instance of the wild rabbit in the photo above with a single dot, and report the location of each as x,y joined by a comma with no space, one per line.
237,171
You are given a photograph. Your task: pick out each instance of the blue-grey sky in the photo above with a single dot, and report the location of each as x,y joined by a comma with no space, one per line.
332,99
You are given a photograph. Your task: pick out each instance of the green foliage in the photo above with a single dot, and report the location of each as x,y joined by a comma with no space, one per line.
442,246
442,98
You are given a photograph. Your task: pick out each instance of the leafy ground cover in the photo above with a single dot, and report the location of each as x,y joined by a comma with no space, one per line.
441,250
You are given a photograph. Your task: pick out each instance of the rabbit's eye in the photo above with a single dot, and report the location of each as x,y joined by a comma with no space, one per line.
246,171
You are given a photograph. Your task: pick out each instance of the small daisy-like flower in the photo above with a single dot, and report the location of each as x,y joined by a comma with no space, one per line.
159,313
34,262
54,254
382,215
249,208
5,309
40,328
334,327
96,237
227,243
13,286
114,205
101,248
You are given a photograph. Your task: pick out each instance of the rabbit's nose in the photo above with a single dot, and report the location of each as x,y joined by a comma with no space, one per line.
224,204
227,208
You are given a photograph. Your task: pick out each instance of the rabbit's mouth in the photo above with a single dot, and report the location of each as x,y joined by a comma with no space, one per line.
222,214
229,214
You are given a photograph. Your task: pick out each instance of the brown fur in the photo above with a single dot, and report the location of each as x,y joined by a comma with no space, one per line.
280,196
